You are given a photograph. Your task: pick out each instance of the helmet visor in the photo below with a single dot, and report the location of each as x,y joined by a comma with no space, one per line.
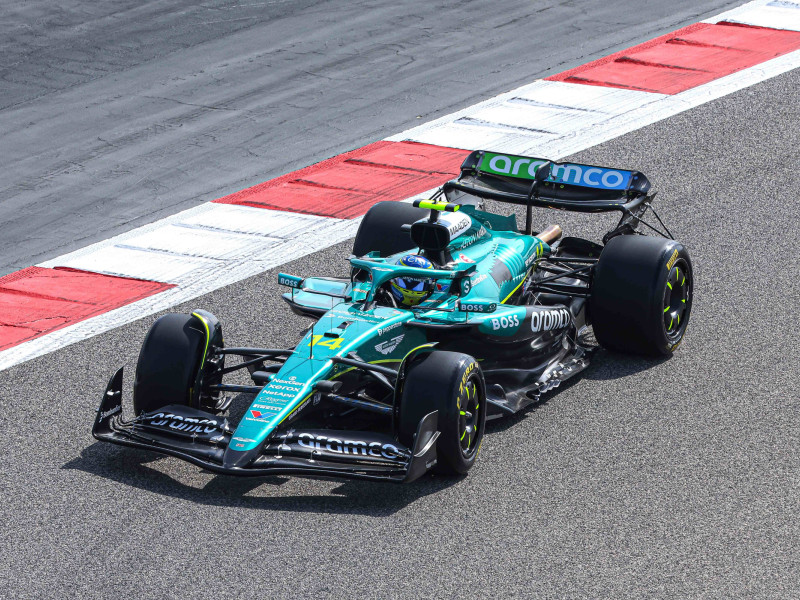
412,285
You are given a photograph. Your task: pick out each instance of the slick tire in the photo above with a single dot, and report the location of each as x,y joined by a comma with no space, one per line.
168,363
641,295
380,228
451,383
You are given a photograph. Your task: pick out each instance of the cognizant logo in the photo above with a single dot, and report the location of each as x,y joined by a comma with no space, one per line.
582,175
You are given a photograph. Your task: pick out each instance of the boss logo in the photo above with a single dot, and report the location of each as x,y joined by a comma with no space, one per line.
292,283
505,322
480,308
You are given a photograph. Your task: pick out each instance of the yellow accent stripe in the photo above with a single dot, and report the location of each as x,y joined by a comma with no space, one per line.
431,205
429,345
516,288
372,362
385,360
208,337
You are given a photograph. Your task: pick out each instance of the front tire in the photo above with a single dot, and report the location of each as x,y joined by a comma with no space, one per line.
169,362
451,383
641,295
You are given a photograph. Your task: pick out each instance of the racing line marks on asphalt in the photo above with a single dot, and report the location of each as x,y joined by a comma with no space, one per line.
171,261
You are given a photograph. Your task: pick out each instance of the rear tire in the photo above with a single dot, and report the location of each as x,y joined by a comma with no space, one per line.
451,383
380,228
168,363
641,295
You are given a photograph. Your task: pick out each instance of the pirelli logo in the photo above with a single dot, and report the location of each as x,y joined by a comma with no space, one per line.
672,260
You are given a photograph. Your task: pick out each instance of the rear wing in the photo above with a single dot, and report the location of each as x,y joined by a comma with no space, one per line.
569,186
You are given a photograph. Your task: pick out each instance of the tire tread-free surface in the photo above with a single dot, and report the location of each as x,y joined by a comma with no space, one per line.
627,298
433,382
168,363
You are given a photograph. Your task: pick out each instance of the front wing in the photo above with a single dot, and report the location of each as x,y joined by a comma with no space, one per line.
203,439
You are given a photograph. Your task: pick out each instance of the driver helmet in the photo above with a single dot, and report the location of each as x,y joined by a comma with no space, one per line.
410,291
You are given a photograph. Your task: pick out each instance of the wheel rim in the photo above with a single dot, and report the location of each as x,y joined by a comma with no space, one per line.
677,300
470,410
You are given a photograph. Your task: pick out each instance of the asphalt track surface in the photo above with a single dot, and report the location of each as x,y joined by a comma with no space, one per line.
116,113
641,479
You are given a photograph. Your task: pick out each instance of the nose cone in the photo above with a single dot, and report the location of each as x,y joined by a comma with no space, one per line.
238,459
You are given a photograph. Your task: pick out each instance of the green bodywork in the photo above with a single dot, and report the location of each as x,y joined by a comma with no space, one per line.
490,255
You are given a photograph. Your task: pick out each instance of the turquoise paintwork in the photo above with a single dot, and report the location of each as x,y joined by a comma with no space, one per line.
495,263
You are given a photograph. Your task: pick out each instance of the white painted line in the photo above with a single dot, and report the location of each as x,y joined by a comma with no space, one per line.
138,263
255,221
777,14
557,115
285,237
614,112
732,13
208,237
319,233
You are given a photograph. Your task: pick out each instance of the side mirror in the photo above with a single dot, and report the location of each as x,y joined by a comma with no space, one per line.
290,281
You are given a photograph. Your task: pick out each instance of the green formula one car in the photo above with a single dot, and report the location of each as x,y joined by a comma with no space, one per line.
450,316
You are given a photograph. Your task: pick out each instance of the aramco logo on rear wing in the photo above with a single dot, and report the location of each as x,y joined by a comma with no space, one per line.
583,175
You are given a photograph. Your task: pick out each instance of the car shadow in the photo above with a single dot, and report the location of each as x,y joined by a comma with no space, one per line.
608,365
604,366
132,467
